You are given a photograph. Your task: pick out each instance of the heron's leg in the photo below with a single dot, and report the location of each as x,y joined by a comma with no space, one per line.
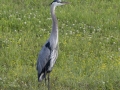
45,79
48,81
45,75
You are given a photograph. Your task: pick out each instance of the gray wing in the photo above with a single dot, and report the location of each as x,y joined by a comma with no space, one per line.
43,58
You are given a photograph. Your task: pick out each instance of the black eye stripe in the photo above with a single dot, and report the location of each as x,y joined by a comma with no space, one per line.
55,1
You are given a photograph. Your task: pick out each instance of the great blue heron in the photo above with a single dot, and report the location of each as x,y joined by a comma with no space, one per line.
49,52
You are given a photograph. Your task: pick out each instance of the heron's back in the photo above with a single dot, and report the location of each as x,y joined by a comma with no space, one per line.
46,60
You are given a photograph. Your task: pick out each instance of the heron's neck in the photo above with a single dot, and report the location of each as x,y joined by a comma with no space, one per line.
54,20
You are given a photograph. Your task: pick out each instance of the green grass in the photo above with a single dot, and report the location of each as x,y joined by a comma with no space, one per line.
89,44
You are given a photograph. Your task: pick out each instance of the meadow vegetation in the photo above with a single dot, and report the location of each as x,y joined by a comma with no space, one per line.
89,44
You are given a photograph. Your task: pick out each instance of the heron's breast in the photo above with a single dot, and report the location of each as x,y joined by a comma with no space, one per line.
54,41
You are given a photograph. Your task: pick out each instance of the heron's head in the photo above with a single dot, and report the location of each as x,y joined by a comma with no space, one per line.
58,3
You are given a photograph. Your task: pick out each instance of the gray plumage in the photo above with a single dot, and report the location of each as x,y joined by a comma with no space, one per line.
49,52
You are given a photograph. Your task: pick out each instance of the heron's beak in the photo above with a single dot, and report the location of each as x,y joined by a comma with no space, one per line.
63,3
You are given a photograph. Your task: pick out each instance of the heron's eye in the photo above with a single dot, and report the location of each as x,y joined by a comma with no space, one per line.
52,2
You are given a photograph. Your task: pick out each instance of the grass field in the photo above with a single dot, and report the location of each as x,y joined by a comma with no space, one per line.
89,44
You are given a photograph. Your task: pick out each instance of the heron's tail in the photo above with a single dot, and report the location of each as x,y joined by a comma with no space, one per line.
41,76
